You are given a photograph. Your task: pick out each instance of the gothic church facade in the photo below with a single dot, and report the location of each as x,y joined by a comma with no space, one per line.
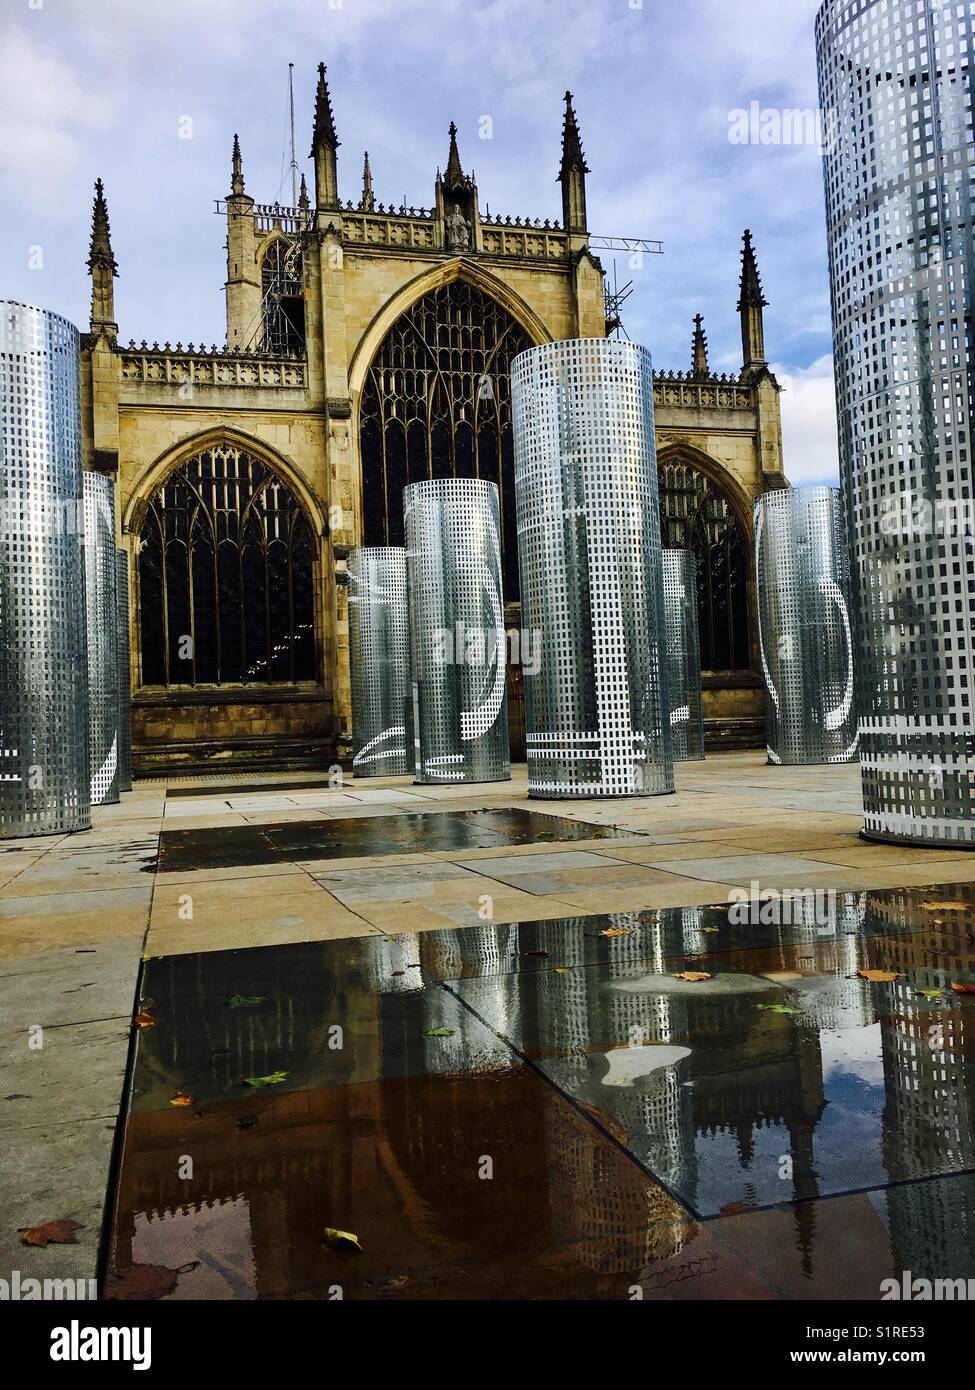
368,346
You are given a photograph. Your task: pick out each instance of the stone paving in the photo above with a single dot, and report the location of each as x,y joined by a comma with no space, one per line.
78,913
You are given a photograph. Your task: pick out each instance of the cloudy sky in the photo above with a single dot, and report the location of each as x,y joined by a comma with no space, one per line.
148,96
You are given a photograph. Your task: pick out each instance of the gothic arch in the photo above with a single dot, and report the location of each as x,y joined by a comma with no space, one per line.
407,295
705,510
227,569
173,455
434,401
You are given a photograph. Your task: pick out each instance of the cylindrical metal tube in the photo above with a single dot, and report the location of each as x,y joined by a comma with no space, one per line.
586,494
803,575
43,705
682,657
379,660
895,91
457,635
103,664
124,674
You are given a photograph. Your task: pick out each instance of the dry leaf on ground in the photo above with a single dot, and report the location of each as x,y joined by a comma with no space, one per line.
51,1233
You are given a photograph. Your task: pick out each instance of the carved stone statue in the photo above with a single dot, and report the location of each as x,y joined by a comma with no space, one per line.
458,230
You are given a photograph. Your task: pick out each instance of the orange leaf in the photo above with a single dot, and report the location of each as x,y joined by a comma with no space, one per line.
182,1101
879,974
51,1233
144,1020
947,907
962,989
617,931
693,975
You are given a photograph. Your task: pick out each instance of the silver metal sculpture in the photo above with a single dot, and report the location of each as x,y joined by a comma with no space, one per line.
379,658
804,626
43,705
896,80
103,663
589,556
124,673
458,642
682,658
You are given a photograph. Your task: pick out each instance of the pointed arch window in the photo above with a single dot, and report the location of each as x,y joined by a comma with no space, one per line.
226,576
437,404
283,302
697,514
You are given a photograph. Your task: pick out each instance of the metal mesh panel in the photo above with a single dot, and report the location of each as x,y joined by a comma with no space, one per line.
43,709
682,669
806,641
379,656
896,80
589,555
457,636
102,611
124,673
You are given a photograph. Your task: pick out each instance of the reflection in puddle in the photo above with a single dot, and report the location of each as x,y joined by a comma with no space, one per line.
823,1118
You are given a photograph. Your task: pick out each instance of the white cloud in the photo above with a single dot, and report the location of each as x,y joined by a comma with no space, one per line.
809,443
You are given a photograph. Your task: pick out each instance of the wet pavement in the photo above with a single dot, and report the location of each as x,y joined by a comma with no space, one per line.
546,1110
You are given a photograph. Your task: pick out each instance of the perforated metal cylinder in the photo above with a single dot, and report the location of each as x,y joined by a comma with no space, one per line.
379,657
803,574
899,166
589,555
457,635
124,673
43,706
102,611
682,656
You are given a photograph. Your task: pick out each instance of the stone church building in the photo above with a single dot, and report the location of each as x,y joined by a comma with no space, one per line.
368,346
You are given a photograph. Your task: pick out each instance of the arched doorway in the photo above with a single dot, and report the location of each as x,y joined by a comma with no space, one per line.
698,514
436,403
226,564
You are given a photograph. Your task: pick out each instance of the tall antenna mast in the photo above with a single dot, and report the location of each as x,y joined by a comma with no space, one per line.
294,163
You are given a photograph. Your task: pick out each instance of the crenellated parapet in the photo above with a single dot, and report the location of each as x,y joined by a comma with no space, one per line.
211,367
714,393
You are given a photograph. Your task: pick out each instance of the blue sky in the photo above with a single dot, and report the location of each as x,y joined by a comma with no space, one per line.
104,88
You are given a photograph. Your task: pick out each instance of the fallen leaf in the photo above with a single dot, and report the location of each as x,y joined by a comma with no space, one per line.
182,1101
51,1233
879,974
710,929
930,993
562,969
962,988
617,931
274,1079
388,1283
778,1009
947,907
139,1282
733,1208
340,1240
144,1020
243,1001
693,975
439,1033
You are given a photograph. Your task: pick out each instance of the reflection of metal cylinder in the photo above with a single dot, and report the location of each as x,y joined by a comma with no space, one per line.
457,636
124,674
682,660
103,665
43,708
589,554
379,658
803,572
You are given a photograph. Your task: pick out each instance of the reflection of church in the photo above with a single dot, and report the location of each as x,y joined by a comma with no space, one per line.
367,346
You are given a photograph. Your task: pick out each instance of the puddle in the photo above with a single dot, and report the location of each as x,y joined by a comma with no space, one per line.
529,1111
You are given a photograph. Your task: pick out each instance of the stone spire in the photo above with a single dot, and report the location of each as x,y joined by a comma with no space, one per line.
572,172
454,179
368,201
237,170
700,370
751,302
303,202
102,266
324,143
